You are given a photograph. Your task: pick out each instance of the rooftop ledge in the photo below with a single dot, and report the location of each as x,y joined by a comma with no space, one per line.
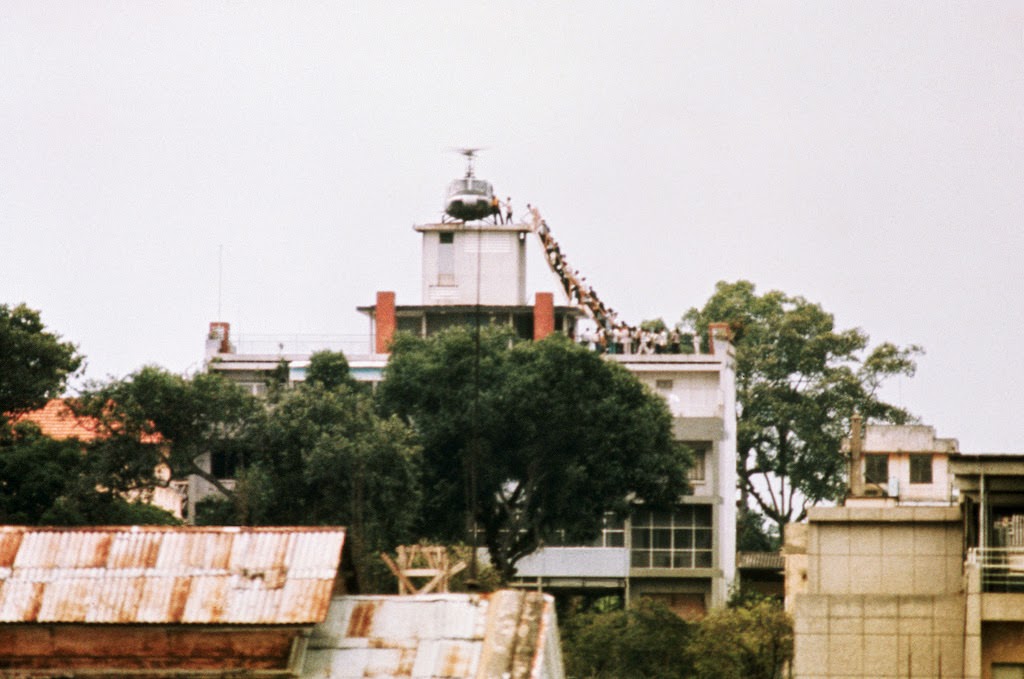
472,227
883,514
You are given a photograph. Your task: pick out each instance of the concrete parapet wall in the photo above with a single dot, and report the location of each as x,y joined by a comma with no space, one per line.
874,636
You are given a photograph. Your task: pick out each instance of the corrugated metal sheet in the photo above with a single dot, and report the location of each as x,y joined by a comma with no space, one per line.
509,634
773,561
150,574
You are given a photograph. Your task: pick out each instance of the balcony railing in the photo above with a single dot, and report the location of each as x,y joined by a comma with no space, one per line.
350,345
1002,568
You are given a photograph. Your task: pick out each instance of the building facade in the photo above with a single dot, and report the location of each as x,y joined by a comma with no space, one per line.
921,573
475,273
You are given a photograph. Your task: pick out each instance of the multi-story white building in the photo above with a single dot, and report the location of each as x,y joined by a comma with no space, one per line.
476,272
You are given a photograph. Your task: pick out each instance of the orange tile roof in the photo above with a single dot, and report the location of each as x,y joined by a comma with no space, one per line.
169,575
56,420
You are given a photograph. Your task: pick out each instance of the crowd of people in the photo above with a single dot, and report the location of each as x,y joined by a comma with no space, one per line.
610,335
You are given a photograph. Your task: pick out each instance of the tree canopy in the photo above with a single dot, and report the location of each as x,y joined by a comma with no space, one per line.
798,381
752,638
315,454
34,363
68,482
322,456
553,434
155,416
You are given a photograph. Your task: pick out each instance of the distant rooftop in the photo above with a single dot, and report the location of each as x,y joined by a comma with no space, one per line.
158,574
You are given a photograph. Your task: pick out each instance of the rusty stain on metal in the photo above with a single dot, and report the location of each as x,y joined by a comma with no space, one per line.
158,574
9,544
456,636
455,664
361,621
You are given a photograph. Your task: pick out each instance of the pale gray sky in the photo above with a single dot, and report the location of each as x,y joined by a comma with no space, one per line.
865,155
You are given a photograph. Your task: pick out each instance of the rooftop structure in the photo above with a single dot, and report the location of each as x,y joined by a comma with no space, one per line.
156,574
472,636
474,272
162,601
898,464
927,584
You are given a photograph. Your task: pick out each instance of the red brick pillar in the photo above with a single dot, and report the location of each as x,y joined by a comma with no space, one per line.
543,315
220,330
385,317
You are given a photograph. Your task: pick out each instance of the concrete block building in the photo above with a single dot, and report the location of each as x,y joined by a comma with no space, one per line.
906,581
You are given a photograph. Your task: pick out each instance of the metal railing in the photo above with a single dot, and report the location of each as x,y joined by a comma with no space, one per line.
350,345
1002,568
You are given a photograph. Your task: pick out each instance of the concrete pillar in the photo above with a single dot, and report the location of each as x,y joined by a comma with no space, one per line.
384,314
856,476
543,315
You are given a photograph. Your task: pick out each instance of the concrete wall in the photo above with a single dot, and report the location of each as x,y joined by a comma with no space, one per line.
908,556
883,595
871,636
501,265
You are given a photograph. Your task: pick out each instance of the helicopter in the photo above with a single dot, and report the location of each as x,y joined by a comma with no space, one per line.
469,198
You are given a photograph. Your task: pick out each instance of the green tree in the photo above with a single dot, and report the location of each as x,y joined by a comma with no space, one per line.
34,363
323,456
319,454
548,435
753,640
329,369
751,533
648,641
44,481
156,416
798,381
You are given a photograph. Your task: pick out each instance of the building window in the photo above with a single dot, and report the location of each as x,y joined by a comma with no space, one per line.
613,534
921,468
676,539
663,385
876,469
698,471
446,259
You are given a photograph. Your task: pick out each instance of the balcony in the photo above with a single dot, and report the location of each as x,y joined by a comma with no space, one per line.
1001,568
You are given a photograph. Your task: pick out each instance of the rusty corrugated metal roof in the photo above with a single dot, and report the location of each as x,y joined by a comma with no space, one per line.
158,574
770,561
507,633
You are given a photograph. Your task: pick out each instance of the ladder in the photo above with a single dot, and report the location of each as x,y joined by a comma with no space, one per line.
576,288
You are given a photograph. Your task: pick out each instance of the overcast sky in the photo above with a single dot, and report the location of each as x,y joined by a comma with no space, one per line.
868,156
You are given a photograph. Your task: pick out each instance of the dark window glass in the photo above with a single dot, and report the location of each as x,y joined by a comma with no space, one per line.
876,469
920,468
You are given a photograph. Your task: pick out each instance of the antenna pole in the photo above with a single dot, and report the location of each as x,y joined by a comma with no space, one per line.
220,279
